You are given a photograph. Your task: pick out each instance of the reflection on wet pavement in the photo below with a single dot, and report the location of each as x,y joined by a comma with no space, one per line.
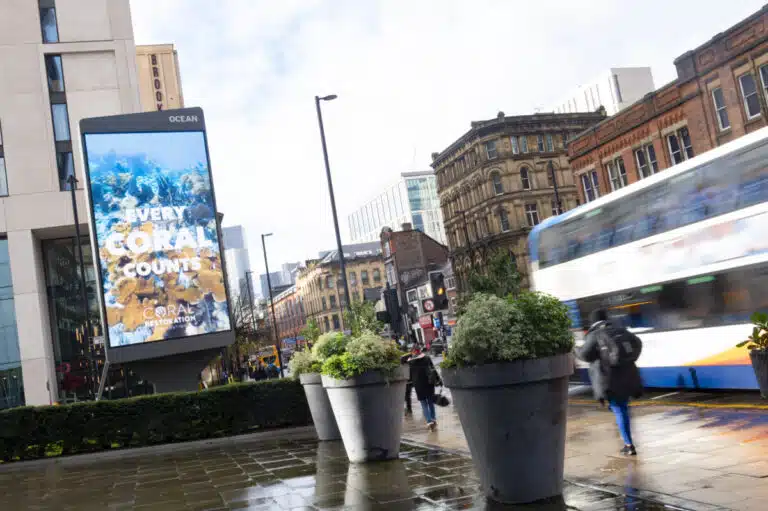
288,474
714,456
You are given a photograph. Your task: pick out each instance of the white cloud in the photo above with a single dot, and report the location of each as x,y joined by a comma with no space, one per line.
410,76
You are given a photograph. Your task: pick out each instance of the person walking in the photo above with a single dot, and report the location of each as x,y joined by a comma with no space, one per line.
408,385
424,377
612,350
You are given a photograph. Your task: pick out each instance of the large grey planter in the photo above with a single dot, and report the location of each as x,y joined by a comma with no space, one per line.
320,407
369,412
514,415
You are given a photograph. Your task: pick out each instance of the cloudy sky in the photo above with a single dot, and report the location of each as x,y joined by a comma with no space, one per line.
410,76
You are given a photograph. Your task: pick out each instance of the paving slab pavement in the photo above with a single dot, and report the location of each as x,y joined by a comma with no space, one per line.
715,456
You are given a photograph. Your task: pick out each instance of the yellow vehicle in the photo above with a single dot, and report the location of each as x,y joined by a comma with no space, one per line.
268,356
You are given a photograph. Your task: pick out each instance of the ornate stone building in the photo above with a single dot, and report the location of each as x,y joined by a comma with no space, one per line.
500,179
321,291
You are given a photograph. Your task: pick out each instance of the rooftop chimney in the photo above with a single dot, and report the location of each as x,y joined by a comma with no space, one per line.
407,226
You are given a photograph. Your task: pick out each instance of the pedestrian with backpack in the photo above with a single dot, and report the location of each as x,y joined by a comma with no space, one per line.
612,350
424,377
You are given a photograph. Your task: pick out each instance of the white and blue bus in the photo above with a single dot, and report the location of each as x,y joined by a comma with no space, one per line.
680,257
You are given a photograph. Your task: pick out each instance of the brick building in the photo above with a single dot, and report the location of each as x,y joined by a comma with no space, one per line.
721,93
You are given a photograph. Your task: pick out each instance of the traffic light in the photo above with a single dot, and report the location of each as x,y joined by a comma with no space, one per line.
439,295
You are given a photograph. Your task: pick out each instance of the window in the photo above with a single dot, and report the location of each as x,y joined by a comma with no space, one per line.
352,279
532,214
66,166
515,145
749,93
332,300
325,303
48,22
336,323
327,324
376,275
364,277
556,209
680,146
617,173
525,178
498,187
720,110
540,142
524,144
60,122
589,183
490,150
329,282
504,220
550,144
55,73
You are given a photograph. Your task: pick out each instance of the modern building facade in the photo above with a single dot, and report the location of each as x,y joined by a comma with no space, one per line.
320,288
61,61
238,263
281,279
501,178
413,199
721,93
614,89
159,77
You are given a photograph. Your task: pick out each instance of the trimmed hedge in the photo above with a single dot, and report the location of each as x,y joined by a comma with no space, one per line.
45,431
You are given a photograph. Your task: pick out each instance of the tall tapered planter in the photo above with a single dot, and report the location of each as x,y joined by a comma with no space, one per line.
320,407
369,412
514,417
760,365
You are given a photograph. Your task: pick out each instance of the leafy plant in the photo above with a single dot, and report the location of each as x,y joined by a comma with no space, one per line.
759,338
312,331
367,352
332,343
362,318
494,330
304,362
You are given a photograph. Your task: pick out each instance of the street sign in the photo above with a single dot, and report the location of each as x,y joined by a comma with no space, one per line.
428,305
425,321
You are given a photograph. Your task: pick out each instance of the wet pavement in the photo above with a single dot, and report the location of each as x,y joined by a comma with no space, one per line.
716,456
276,474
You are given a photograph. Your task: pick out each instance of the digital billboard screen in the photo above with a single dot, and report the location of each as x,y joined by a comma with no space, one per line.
156,233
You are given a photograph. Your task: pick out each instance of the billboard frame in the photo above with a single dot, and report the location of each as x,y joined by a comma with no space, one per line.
169,121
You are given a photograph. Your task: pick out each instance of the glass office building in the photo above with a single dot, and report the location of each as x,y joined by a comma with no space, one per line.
413,199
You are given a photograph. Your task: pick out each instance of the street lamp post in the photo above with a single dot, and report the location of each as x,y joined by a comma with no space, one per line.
272,303
342,264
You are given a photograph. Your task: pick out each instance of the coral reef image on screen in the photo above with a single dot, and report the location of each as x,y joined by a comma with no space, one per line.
157,236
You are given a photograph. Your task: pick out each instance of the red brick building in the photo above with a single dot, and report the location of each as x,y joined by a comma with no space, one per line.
721,93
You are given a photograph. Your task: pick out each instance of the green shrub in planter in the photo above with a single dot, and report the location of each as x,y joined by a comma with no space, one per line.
507,368
304,362
367,352
757,344
494,330
330,344
365,386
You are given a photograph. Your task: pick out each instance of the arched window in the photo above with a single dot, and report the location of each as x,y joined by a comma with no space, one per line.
525,178
498,188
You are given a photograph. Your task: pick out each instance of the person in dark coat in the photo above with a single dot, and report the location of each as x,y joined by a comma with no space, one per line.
424,377
408,386
613,383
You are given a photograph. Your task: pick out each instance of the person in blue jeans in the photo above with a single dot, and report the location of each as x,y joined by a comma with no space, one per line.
612,351
424,377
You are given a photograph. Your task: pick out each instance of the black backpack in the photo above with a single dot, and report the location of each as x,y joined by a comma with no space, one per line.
618,346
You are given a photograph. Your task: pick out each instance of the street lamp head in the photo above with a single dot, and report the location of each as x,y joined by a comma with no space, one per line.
329,97
266,235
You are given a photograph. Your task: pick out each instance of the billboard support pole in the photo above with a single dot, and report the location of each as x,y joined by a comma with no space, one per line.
72,180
